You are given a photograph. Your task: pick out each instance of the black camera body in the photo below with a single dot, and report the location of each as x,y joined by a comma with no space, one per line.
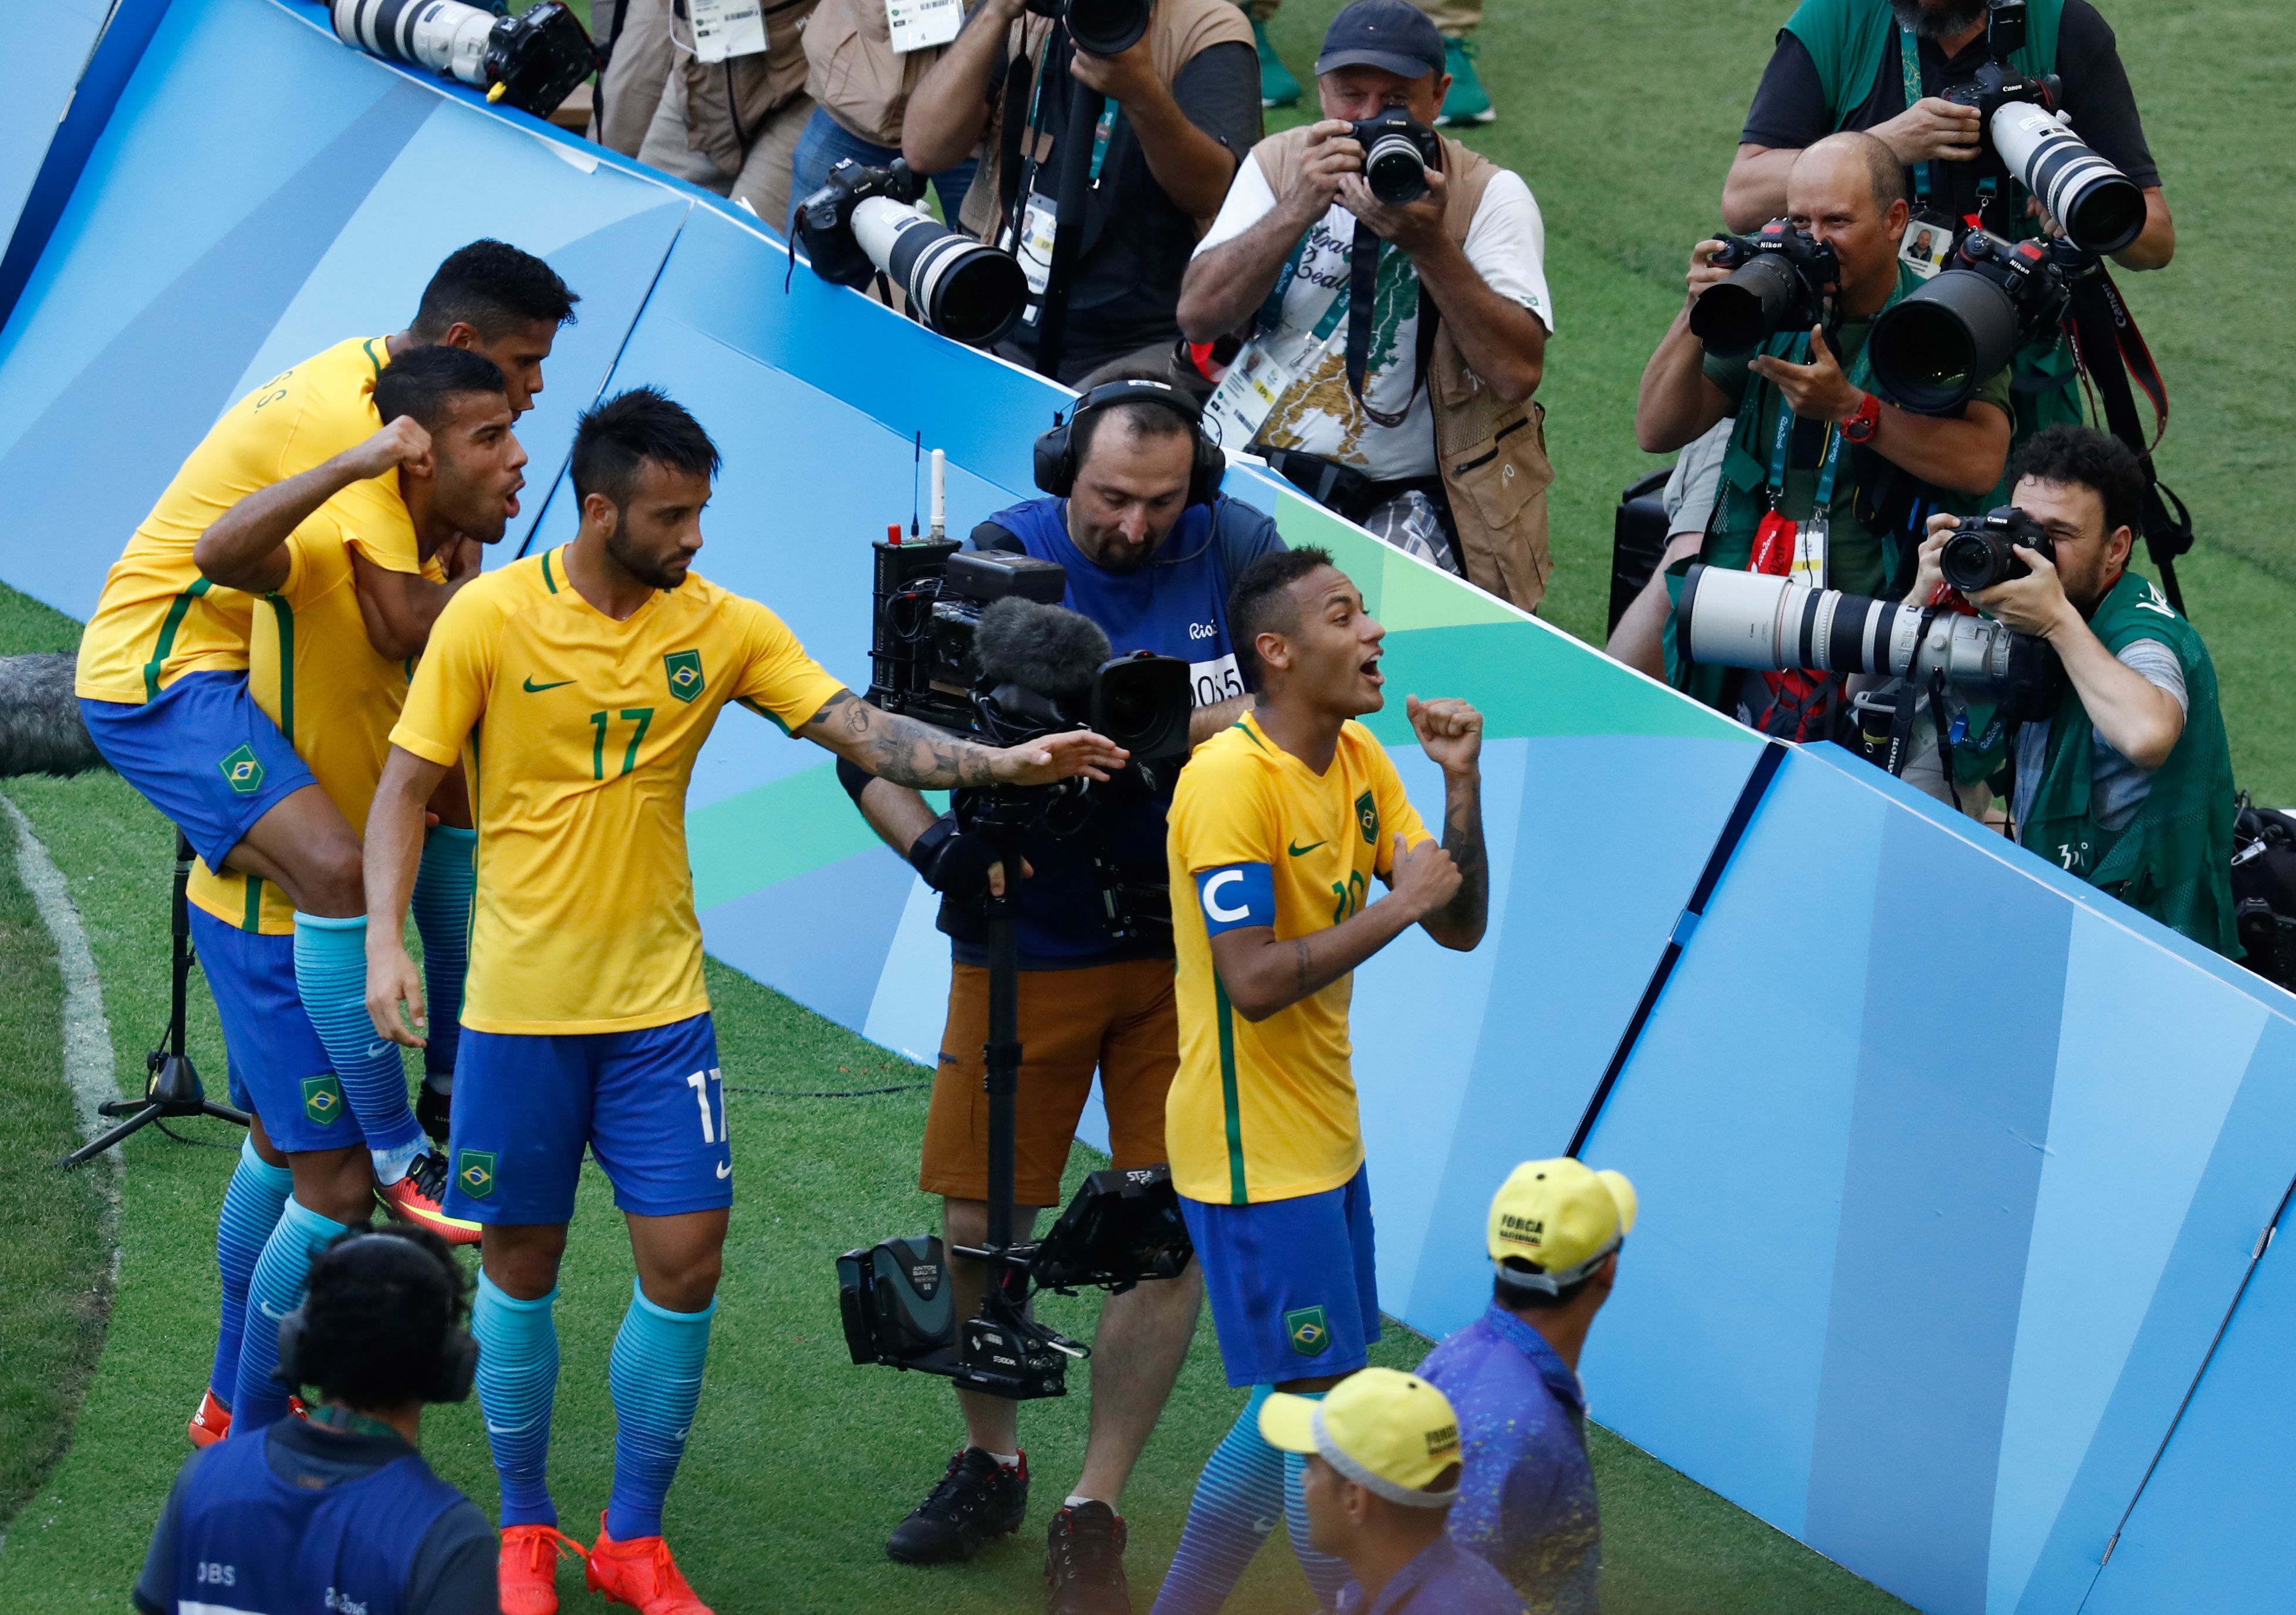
824,219
1397,151
539,56
1979,553
1099,28
1781,279
1997,84
1934,350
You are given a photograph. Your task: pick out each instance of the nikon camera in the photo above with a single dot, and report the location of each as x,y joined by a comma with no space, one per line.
1782,279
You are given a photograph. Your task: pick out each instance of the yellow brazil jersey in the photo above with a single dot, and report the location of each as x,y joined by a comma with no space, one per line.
157,617
1267,1110
581,735
314,673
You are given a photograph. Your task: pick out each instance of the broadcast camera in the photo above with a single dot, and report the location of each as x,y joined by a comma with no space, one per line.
1781,280
865,222
1934,350
1100,28
533,60
2100,209
1397,151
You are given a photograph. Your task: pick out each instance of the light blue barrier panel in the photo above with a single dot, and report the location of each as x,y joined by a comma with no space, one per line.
205,249
1889,1123
47,42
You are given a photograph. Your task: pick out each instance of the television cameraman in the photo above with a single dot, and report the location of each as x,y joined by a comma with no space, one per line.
1150,563
1181,104
1436,426
2128,786
339,1512
1841,65
1808,425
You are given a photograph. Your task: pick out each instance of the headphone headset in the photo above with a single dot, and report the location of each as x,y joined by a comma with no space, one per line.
1056,451
449,1376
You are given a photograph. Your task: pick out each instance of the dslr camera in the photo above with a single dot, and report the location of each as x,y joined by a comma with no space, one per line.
1099,28
1397,151
1782,279
1934,350
867,222
533,60
1982,550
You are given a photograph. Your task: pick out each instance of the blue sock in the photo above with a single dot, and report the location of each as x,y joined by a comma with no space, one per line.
276,1290
1238,1499
656,1375
517,1380
330,974
443,885
251,1204
1326,1575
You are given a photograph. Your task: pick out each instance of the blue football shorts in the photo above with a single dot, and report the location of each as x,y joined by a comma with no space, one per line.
1293,1290
277,1065
650,1104
204,754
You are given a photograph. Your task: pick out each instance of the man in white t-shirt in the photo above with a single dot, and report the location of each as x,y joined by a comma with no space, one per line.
1408,420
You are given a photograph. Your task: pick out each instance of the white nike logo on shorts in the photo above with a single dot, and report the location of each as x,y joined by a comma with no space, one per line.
724,1169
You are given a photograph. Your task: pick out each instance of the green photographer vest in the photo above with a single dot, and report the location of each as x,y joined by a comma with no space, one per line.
1846,39
2173,859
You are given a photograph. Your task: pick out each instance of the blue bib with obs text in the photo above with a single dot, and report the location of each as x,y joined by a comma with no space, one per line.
249,1540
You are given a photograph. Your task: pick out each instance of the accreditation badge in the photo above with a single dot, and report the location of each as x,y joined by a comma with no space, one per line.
1927,245
1034,248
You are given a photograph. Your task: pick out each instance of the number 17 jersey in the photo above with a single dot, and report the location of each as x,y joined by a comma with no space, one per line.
581,735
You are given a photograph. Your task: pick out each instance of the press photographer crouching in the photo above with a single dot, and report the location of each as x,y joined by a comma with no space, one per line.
339,1512
2129,784
1392,283
1824,481
1149,549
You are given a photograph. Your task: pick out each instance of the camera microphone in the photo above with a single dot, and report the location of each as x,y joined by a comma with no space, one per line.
1048,650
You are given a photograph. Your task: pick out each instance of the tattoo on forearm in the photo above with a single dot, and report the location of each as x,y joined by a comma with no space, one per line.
1302,968
1463,838
900,748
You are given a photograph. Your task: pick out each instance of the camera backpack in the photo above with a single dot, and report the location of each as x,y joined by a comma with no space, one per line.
2264,891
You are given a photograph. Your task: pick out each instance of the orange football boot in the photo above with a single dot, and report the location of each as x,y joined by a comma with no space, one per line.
526,1571
640,1573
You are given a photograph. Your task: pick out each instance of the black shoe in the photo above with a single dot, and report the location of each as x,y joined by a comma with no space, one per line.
1084,1562
430,1109
977,1499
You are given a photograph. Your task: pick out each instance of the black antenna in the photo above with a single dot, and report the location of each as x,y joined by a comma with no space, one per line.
914,465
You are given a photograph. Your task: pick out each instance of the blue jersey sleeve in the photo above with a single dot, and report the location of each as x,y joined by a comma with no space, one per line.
1234,895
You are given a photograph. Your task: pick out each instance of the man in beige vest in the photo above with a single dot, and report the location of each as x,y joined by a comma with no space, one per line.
1426,436
727,111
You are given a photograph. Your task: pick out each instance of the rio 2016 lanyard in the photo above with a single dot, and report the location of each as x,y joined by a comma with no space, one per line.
1909,65
1812,534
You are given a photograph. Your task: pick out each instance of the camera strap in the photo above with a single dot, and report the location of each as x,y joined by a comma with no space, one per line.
1909,64
2110,351
1362,299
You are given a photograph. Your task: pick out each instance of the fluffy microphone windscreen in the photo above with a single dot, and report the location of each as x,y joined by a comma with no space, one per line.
1044,648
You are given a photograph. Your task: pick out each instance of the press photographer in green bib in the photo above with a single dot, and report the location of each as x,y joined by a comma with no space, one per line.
1826,480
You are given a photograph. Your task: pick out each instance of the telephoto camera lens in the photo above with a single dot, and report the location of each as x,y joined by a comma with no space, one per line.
1729,618
1107,28
2100,209
443,37
1932,351
965,291
1778,286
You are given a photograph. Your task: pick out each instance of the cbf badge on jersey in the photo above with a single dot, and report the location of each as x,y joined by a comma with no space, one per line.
1367,818
684,669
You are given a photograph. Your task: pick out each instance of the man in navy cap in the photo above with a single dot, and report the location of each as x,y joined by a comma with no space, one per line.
1395,343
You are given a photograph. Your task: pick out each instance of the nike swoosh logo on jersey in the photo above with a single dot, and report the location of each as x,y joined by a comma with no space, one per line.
535,689
724,1169
1302,851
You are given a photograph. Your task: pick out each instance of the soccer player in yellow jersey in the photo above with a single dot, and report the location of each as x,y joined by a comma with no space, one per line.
162,682
337,621
1279,826
578,685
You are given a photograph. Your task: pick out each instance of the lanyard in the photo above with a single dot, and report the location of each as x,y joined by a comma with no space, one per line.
1909,62
1782,437
1271,311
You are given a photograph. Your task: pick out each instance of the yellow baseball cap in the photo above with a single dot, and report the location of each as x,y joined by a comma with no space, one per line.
1393,1432
1562,1217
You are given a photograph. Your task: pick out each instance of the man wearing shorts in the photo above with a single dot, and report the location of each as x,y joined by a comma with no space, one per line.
1278,827
583,682
163,686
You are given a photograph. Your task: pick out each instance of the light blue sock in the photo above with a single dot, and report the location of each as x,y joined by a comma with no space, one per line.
656,1375
251,1204
517,1380
276,1290
330,974
443,885
1238,1499
1325,1574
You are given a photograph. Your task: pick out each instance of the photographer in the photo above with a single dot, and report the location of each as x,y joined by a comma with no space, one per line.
861,86
1156,157
1419,407
1152,567
732,125
2129,784
339,1512
1821,473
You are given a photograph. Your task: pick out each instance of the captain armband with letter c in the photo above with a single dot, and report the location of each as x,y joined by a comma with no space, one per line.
1236,895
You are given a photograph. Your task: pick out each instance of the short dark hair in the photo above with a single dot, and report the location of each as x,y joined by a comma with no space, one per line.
1259,600
2082,456
643,423
1143,419
376,1318
424,383
493,288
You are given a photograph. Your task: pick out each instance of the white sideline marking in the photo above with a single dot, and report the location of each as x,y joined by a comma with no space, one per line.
88,1059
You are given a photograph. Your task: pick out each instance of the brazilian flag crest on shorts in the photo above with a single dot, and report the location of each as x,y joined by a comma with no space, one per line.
474,1170
241,772
323,1099
684,669
1306,1330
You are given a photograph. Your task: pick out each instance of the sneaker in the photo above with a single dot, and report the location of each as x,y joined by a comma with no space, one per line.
212,1422
1468,101
526,1571
1277,88
416,1198
1084,1562
432,1109
640,1573
977,1499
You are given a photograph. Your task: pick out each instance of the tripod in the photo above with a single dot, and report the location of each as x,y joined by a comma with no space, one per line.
171,1086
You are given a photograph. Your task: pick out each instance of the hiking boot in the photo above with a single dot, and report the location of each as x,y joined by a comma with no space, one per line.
1277,88
977,1498
1084,1562
1468,101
